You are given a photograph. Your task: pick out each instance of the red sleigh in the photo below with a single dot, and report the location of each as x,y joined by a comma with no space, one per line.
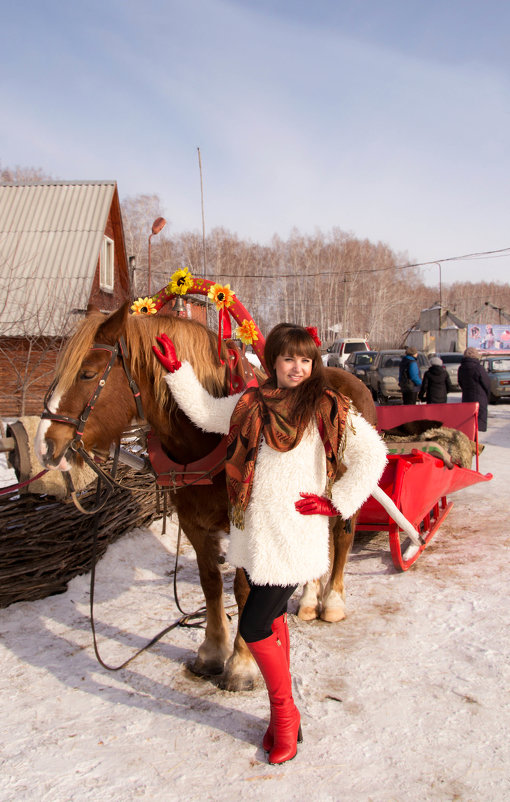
419,482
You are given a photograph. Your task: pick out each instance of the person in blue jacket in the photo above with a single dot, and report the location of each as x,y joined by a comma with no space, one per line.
409,376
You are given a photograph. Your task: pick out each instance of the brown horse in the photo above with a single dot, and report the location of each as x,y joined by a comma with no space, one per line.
201,509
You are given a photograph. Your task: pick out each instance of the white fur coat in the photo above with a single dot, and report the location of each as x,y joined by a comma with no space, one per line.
278,545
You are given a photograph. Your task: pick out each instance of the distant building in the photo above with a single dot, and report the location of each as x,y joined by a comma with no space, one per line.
438,330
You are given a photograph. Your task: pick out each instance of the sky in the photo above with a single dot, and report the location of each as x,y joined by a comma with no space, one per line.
388,120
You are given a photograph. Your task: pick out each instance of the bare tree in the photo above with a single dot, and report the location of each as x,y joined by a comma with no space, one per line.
22,175
138,214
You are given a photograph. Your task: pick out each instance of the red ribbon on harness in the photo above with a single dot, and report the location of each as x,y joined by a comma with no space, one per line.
225,324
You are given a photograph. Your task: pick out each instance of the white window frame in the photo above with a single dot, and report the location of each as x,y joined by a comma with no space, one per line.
107,264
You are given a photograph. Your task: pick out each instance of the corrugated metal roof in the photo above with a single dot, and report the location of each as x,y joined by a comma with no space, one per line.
50,238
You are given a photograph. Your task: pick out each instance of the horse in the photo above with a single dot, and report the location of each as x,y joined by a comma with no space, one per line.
106,378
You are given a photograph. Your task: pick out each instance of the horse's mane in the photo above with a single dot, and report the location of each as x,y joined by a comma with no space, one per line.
193,342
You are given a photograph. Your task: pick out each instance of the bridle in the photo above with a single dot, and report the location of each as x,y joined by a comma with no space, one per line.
117,350
76,445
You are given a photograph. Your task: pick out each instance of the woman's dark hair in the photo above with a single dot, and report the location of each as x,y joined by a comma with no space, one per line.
287,338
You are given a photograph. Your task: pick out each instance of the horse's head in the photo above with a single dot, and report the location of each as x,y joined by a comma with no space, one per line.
90,399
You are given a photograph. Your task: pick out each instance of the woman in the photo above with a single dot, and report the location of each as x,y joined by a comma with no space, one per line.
475,384
289,443
436,383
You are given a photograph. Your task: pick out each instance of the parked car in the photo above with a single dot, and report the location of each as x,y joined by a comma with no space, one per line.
498,368
359,363
338,351
451,361
383,374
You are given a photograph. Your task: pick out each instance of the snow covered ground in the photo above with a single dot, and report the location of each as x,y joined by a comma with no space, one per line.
408,699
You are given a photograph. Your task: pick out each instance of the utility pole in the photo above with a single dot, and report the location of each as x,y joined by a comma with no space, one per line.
344,319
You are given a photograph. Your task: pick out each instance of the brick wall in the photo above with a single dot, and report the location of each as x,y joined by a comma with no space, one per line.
26,371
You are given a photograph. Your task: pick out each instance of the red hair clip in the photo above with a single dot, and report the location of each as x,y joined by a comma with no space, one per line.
312,331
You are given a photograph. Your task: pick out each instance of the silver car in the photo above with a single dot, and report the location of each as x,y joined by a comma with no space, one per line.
383,374
498,368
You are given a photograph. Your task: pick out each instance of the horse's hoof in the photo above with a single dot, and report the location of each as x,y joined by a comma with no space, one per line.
229,682
333,614
202,669
308,613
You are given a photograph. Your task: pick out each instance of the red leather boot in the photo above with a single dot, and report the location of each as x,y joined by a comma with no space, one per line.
271,658
281,630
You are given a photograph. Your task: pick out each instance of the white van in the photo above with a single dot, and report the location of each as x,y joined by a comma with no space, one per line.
337,353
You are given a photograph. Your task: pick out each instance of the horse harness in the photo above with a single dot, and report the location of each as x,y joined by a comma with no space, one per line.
175,475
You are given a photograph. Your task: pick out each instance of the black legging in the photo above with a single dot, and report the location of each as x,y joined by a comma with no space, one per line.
263,605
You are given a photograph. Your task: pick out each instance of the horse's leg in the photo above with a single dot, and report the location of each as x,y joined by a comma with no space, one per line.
309,603
333,604
241,671
215,648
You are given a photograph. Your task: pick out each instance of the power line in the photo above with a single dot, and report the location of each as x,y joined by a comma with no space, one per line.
266,276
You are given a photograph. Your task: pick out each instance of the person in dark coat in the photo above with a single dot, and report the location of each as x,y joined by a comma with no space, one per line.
409,379
475,384
436,383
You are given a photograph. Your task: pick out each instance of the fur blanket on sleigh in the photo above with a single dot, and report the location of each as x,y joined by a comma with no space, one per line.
458,446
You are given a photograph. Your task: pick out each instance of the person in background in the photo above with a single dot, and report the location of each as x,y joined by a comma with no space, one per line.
475,384
297,454
436,383
409,379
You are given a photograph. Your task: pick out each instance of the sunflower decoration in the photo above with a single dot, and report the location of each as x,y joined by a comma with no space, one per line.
144,306
181,282
247,332
221,295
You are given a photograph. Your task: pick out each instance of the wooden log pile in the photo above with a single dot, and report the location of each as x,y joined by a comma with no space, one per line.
45,541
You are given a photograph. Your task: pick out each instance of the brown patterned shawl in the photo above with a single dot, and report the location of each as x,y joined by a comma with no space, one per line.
264,411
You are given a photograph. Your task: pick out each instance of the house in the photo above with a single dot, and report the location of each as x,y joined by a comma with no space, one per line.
437,331
61,248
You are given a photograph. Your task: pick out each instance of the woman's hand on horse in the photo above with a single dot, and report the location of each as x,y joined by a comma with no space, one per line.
310,504
166,353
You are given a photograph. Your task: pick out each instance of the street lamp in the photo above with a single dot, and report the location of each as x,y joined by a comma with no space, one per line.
158,224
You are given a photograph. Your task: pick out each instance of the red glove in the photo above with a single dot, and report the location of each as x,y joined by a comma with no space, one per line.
310,504
166,353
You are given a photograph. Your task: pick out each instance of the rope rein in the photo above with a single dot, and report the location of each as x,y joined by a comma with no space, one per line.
195,619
